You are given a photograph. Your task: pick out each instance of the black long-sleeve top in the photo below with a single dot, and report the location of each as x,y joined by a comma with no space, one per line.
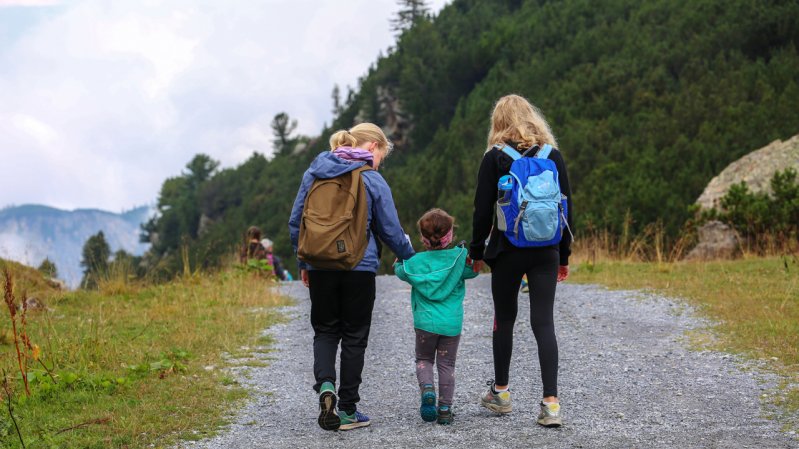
495,165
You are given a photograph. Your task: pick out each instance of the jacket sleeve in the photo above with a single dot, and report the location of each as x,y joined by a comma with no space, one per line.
565,188
384,216
484,202
399,270
296,214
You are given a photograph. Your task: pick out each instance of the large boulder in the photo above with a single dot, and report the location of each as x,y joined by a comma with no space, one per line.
718,240
755,169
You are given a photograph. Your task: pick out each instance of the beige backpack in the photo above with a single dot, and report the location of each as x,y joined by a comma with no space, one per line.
333,234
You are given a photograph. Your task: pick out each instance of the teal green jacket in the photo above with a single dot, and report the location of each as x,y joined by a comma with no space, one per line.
437,278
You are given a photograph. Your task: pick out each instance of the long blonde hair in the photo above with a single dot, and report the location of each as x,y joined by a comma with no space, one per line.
359,134
516,120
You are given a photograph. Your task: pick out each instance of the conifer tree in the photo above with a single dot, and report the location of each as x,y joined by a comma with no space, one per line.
410,11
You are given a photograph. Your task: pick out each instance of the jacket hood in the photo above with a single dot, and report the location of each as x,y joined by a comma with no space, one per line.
327,165
436,273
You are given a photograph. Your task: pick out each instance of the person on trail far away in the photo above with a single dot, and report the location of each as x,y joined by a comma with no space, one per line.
342,207
277,264
252,248
437,277
523,192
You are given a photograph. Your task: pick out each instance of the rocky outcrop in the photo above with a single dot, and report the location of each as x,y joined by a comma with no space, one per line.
716,241
755,169
395,122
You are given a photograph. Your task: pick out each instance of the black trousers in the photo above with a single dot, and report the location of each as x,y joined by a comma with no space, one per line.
341,312
541,267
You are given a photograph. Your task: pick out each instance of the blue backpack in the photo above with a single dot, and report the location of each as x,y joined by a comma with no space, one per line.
531,210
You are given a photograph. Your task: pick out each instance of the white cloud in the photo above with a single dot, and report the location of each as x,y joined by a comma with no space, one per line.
29,3
101,101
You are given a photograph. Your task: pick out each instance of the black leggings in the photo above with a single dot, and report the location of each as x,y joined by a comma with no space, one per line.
541,267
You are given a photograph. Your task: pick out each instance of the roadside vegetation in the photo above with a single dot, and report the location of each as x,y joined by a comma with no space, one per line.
127,364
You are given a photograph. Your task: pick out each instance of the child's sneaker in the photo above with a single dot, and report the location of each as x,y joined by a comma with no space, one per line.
550,415
328,419
445,414
352,421
498,402
428,408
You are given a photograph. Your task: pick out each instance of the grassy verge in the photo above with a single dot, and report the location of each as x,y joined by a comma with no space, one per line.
143,366
755,302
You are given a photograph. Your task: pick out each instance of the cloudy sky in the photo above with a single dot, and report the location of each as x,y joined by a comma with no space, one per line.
100,101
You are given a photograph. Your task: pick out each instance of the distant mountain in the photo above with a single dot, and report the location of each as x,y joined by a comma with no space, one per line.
30,233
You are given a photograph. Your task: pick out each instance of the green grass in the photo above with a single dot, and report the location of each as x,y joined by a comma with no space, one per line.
140,367
754,301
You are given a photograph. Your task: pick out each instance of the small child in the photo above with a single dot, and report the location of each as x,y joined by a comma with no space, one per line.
437,277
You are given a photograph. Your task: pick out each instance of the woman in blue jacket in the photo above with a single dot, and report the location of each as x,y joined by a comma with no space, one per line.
342,301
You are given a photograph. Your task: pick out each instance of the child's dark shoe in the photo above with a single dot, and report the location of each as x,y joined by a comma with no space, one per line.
445,414
428,407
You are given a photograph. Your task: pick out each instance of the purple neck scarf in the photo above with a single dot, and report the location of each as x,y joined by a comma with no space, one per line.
354,154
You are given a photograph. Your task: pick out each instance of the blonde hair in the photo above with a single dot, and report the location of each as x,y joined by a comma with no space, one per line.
360,134
516,120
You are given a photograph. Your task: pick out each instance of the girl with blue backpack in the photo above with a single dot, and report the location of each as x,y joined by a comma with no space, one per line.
522,205
437,278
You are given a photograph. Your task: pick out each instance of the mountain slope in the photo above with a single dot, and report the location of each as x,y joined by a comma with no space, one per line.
649,100
30,233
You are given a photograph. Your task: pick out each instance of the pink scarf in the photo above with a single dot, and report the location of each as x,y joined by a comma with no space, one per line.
441,244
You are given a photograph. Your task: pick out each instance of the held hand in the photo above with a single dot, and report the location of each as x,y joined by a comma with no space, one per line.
563,273
477,265
304,277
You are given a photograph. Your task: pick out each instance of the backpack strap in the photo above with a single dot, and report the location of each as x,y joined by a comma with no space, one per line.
510,152
543,153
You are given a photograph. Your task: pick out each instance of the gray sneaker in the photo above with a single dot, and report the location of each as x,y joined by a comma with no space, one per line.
550,415
498,402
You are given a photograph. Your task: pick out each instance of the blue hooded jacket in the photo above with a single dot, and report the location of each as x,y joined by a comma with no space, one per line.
382,214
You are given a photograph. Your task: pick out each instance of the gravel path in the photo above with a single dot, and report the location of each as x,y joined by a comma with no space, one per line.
626,379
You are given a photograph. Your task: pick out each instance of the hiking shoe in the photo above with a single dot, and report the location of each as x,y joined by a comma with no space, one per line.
445,414
428,407
328,418
550,415
498,402
352,421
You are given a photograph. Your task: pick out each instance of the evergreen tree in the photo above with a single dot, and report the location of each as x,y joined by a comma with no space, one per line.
337,106
96,253
282,128
410,11
48,268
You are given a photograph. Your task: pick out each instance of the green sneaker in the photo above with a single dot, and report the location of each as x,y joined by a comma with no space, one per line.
352,421
497,402
428,407
445,415
550,415
328,418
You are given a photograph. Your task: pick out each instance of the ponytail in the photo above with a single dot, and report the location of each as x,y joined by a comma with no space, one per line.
342,138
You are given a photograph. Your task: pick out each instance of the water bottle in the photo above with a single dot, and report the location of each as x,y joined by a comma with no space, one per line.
504,188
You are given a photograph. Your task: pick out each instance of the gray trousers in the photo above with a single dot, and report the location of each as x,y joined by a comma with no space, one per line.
441,350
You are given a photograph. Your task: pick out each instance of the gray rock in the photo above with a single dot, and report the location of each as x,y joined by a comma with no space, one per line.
716,241
627,379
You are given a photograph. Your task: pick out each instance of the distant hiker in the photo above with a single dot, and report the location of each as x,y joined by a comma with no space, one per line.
277,264
342,207
527,200
437,277
252,248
